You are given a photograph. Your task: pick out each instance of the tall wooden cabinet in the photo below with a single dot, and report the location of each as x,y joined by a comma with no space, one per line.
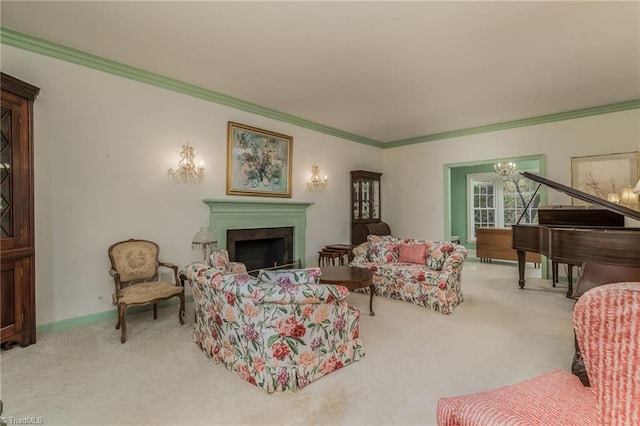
366,206
17,281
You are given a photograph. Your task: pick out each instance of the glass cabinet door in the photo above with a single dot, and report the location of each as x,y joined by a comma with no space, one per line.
376,200
356,200
366,197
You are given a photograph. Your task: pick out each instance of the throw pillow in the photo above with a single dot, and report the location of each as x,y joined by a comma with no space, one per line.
437,255
383,248
290,276
412,253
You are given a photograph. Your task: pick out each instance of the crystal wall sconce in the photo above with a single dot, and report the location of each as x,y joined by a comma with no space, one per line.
187,172
316,183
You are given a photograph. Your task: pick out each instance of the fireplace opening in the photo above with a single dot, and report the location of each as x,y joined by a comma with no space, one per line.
261,248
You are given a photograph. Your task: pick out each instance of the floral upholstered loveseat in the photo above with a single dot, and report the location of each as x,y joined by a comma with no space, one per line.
279,331
426,273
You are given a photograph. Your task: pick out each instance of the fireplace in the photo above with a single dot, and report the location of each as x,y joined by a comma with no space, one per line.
261,247
227,216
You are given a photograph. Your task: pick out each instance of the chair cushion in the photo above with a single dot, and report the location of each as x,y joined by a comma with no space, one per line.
146,292
557,398
135,260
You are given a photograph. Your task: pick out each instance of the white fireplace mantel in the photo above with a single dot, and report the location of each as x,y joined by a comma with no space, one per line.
228,214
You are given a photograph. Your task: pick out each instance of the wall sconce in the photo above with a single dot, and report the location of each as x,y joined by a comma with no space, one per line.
636,190
316,183
187,172
505,169
206,240
628,197
613,197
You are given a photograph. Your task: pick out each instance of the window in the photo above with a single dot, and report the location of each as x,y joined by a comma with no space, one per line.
499,202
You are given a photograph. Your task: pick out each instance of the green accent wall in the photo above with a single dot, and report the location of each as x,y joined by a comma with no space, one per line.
246,214
458,206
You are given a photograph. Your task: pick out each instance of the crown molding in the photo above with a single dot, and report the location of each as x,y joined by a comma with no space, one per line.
542,119
25,41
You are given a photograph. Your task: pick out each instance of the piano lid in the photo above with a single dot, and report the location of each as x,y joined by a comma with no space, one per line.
591,199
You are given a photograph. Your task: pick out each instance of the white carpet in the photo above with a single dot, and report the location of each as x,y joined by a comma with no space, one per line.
498,335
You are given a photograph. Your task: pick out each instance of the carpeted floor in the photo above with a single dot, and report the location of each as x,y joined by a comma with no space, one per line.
498,335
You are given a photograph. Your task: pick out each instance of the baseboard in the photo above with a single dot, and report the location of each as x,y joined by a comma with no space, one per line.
111,314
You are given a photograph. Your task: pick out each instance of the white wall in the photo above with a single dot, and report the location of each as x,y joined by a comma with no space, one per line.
103,145
413,180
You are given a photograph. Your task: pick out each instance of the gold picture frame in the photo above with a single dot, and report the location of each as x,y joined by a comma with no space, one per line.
258,162
606,176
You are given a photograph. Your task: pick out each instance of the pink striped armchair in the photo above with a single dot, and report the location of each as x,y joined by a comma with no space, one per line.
607,325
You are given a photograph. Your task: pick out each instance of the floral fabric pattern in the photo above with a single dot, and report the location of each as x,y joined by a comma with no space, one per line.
276,335
383,248
220,260
439,290
291,276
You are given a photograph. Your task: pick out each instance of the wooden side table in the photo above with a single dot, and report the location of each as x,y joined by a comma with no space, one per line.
347,249
350,277
329,258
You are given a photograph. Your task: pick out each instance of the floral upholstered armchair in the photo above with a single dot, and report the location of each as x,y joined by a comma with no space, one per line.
279,331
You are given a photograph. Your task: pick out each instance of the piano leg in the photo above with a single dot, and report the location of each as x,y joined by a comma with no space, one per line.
522,257
570,280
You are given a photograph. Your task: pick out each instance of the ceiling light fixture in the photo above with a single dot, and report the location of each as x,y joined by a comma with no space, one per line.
505,169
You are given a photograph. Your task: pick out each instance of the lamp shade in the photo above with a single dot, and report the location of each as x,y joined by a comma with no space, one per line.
204,236
637,188
628,198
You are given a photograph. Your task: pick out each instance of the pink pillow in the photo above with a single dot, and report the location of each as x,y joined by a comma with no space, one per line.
412,253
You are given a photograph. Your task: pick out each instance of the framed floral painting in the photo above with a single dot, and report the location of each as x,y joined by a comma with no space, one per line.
258,162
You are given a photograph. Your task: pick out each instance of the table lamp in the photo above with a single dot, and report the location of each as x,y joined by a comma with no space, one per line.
205,239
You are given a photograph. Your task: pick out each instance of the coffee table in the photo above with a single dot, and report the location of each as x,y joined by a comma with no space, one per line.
350,277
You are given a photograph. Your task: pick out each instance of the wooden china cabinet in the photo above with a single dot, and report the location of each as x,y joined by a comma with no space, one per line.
366,206
17,282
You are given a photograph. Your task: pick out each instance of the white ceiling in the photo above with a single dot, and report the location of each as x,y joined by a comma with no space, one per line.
387,71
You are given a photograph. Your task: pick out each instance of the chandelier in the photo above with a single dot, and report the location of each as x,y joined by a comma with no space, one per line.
187,172
505,169
317,183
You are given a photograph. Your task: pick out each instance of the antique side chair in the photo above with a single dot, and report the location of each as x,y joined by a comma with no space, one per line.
135,270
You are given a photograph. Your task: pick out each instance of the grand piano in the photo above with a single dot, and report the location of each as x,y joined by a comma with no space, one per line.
585,236
575,235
